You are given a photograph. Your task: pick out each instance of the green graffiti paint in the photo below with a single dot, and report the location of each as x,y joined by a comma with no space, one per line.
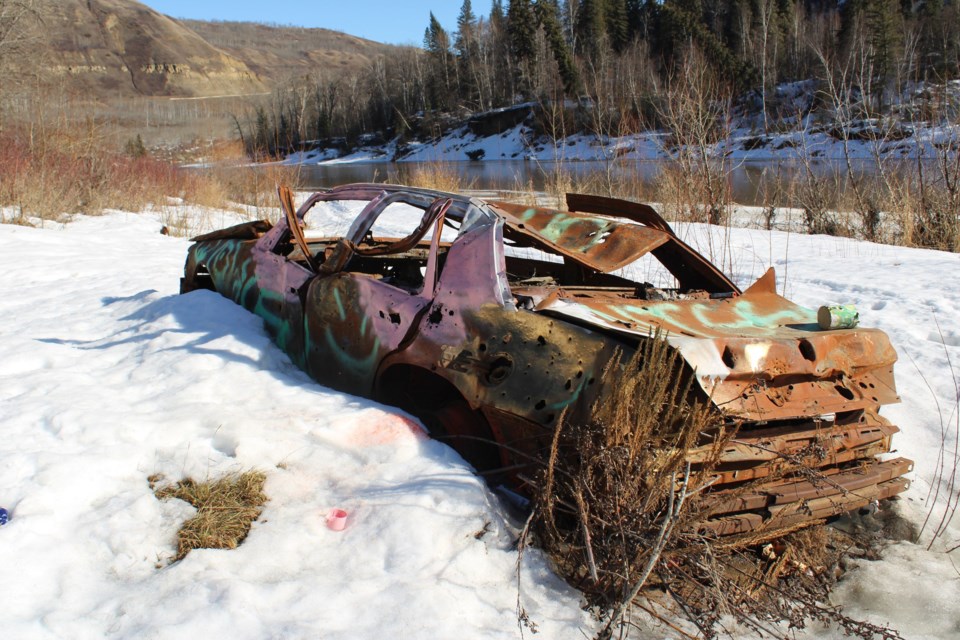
341,311
557,230
358,368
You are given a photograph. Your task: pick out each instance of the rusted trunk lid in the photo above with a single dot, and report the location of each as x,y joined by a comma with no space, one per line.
757,355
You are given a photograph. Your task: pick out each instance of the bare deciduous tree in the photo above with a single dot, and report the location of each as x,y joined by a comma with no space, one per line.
18,21
696,111
17,17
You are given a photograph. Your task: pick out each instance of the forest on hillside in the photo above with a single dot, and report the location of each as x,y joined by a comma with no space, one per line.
799,80
618,61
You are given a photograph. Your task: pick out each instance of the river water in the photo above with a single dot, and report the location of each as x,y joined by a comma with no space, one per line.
748,183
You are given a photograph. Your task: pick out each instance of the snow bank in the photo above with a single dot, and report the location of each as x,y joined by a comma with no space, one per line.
107,376
912,295
742,144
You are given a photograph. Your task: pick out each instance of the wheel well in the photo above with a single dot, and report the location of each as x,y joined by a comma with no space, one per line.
195,278
444,412
407,386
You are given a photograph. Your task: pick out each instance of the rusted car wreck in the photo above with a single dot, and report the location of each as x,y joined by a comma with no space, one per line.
488,320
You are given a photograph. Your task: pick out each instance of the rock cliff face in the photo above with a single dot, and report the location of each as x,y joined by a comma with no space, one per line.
277,53
122,47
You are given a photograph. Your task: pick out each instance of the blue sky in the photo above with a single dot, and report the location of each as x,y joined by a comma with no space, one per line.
395,22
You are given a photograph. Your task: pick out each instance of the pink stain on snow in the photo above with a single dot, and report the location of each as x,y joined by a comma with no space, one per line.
375,428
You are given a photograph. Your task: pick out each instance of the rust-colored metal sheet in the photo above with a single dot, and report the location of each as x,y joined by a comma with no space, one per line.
600,243
731,474
756,355
762,445
794,513
834,482
686,265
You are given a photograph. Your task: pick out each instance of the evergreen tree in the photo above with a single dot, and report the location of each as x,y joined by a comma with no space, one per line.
736,28
467,53
850,13
681,23
884,26
502,73
435,38
439,72
641,20
261,134
590,29
548,15
931,8
617,26
466,30
522,27
497,15
635,18
934,23
875,25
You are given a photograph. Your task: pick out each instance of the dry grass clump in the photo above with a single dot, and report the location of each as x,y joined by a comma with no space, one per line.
926,211
66,172
253,187
226,508
442,176
783,582
215,151
48,181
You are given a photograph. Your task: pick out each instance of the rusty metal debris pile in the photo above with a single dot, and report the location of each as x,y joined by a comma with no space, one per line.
620,508
491,321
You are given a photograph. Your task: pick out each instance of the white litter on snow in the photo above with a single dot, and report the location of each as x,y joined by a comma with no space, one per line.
107,376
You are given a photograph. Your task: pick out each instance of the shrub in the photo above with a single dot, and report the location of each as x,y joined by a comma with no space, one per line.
603,493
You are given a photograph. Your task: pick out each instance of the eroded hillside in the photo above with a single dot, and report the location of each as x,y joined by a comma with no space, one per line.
121,47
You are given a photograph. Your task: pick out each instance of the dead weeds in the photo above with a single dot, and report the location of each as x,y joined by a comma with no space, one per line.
603,493
226,508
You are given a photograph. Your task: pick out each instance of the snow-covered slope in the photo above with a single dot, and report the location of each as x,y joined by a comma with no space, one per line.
107,376
813,136
742,144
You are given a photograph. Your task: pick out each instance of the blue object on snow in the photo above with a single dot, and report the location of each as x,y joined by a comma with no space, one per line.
4,516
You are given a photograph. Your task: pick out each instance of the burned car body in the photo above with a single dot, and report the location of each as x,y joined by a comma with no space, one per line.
490,320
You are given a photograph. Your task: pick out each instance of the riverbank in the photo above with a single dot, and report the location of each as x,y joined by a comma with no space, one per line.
737,135
522,142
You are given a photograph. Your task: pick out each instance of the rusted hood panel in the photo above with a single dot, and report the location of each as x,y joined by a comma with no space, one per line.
600,243
757,355
243,231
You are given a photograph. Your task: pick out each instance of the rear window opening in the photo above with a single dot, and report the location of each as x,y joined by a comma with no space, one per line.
532,269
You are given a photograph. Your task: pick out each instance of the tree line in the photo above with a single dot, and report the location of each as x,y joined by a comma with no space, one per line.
616,56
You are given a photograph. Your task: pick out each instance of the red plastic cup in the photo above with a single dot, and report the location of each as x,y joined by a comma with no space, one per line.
336,519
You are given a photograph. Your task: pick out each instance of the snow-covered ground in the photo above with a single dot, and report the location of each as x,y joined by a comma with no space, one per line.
107,376
741,145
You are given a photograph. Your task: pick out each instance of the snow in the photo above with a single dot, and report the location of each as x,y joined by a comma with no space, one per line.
791,136
742,144
107,376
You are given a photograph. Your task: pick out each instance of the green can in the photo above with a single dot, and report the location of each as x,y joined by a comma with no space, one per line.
840,316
